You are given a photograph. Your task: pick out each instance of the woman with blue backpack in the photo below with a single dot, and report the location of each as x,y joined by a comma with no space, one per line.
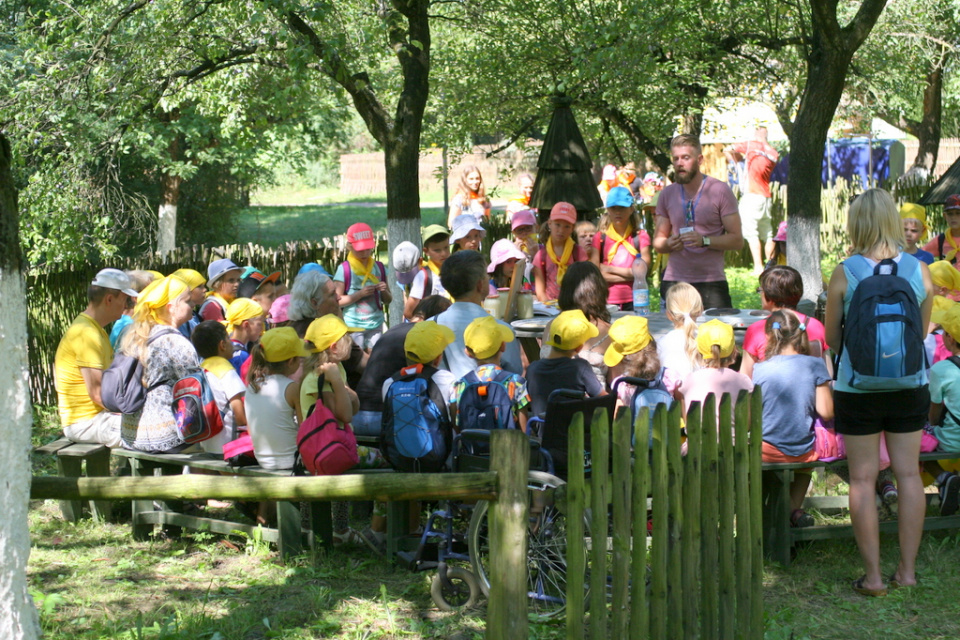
878,309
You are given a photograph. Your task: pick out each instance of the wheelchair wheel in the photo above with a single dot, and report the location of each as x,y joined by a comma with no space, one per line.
546,548
463,591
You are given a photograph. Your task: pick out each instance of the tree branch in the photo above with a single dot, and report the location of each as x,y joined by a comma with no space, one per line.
516,135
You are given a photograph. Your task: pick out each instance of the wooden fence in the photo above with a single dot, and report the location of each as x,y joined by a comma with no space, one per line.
701,577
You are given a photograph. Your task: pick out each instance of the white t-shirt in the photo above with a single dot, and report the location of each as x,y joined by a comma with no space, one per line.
416,289
225,386
671,349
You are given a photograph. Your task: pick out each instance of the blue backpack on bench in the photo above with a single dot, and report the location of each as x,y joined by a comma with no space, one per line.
649,394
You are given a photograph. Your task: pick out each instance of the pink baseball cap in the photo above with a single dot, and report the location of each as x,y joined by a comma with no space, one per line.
501,251
523,218
360,237
781,232
280,308
564,211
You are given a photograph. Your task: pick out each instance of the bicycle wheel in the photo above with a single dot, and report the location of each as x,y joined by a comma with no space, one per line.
546,548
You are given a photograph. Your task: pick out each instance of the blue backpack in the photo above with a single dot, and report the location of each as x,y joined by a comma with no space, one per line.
882,330
486,405
415,430
649,394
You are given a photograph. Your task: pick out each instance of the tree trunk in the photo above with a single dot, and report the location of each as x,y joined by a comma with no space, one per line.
401,156
928,133
828,60
18,616
167,215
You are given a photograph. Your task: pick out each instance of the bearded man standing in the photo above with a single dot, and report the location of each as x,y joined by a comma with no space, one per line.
697,220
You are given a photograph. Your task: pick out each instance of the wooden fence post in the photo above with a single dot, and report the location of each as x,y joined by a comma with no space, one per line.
507,609
639,611
622,486
576,562
709,516
756,510
744,515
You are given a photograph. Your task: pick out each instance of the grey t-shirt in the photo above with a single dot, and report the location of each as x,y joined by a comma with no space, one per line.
789,385
545,376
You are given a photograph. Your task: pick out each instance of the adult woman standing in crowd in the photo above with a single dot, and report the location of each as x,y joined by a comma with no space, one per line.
166,357
584,288
876,234
471,196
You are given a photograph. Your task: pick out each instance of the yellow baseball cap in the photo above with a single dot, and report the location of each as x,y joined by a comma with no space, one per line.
715,332
426,341
242,309
282,344
324,332
628,334
949,319
192,277
571,329
916,212
485,335
944,274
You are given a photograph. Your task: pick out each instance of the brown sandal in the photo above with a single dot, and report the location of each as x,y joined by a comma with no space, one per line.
864,591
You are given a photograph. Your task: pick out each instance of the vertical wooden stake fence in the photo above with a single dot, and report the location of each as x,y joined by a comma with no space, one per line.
507,611
701,575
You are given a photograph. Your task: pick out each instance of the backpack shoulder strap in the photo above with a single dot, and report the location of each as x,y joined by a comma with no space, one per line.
472,378
347,276
433,391
603,247
427,282
941,238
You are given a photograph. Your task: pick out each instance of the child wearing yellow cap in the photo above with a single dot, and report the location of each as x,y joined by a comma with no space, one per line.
329,343
796,389
560,369
914,219
245,323
213,346
945,409
717,350
635,351
423,346
485,340
944,246
273,397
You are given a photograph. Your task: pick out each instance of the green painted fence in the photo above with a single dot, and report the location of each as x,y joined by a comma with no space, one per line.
700,575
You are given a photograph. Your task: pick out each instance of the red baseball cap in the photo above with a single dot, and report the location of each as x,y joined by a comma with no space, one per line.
952,202
564,211
360,237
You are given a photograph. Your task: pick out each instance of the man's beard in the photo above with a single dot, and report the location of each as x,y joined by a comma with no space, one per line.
687,177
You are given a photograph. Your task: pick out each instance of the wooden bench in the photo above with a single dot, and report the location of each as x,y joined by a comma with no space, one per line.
779,537
289,535
71,458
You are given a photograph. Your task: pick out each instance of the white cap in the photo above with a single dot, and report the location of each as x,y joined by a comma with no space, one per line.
115,279
463,225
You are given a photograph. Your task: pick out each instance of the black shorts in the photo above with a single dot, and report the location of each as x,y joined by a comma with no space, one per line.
864,414
715,295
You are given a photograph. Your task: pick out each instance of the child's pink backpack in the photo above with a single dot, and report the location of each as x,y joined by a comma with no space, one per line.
323,447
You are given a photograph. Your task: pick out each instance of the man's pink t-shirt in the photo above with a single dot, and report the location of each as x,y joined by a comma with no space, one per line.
543,261
702,382
755,340
620,292
716,201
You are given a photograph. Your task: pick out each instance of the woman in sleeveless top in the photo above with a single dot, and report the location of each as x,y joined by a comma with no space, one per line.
876,234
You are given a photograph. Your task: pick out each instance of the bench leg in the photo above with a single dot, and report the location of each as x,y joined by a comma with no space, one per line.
141,530
290,542
398,526
321,524
777,541
70,468
98,466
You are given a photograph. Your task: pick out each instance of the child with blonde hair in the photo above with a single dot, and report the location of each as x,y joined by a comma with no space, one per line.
245,323
796,389
717,350
584,232
678,349
635,351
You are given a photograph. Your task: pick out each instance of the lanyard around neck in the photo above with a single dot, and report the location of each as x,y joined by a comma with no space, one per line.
690,206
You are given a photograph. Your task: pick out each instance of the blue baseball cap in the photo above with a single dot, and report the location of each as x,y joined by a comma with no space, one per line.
619,197
313,266
219,268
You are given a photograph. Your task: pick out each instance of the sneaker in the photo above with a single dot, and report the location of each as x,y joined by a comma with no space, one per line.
800,518
889,495
950,495
349,537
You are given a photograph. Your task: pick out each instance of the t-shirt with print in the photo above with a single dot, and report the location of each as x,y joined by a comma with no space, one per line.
945,388
543,261
225,383
755,339
240,355
84,345
702,382
416,287
547,375
365,313
515,385
620,292
789,386
713,202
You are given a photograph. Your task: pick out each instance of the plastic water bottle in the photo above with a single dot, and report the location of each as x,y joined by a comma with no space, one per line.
641,294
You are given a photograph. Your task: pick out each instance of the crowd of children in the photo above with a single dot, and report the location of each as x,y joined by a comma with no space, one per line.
272,356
